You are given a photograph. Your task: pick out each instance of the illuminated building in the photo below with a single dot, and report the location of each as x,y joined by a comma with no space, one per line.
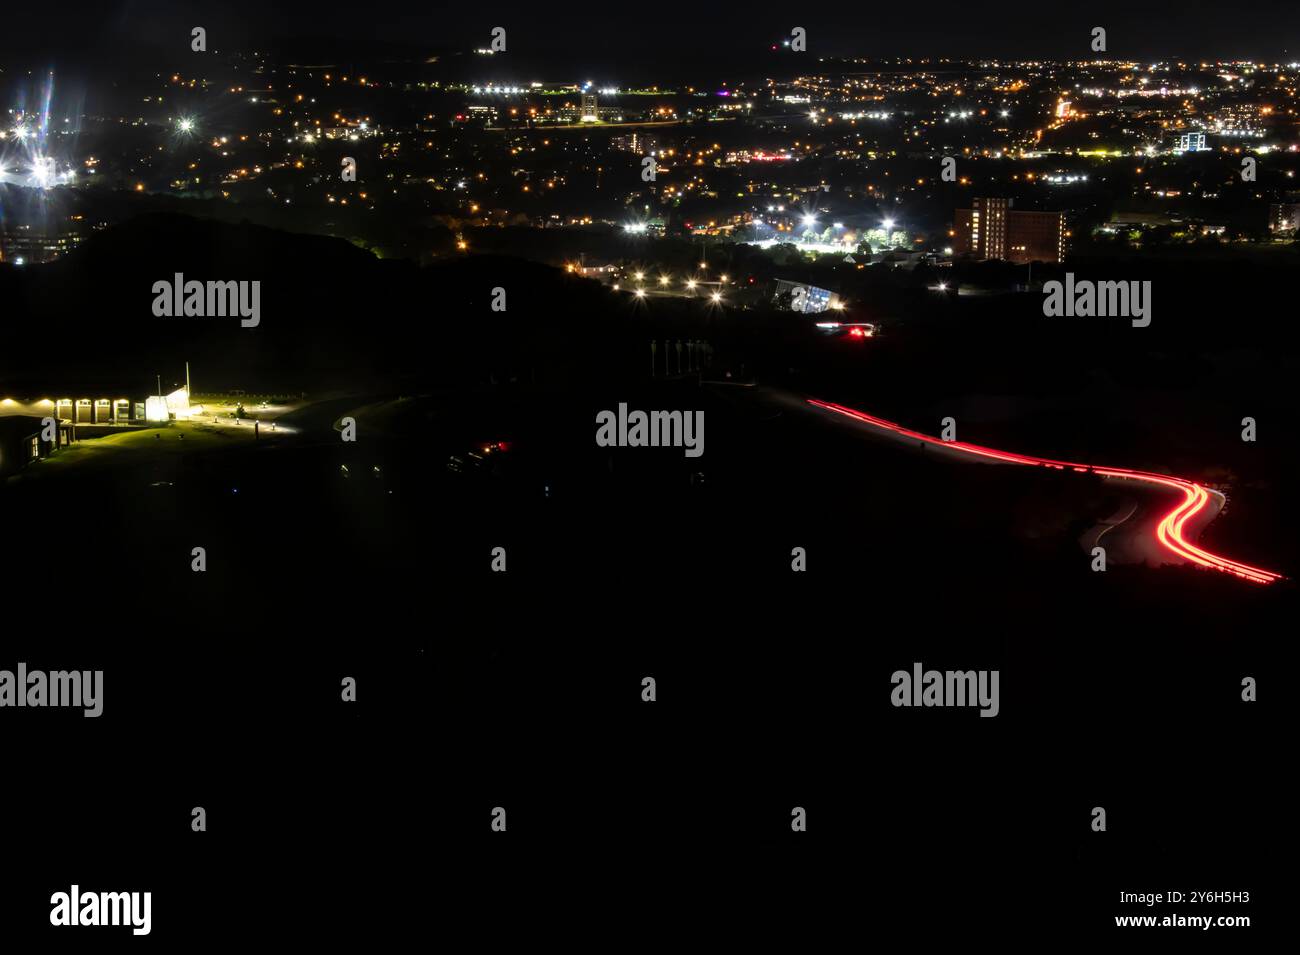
588,110
24,437
21,245
1192,143
478,116
1284,217
991,229
172,407
636,142
105,412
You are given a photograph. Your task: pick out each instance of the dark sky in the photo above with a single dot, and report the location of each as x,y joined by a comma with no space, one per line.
622,31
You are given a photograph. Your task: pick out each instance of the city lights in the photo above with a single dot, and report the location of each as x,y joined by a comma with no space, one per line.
927,218
1051,193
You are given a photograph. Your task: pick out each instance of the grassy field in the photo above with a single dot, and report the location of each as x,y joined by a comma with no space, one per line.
147,447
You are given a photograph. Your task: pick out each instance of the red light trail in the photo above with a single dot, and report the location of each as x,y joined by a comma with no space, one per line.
1170,529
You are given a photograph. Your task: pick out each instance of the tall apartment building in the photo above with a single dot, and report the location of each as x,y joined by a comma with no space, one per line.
1284,217
992,229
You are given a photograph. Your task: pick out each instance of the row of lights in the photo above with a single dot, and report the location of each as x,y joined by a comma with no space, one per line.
690,283
10,402
715,297
664,279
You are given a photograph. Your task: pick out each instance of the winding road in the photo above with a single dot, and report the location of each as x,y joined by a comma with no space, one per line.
1170,531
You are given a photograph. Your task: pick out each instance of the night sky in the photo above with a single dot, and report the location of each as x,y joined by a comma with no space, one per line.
624,33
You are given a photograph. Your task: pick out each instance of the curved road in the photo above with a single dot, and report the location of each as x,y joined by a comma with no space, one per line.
1170,530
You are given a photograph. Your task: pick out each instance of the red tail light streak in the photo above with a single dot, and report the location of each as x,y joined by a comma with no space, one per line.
1170,529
